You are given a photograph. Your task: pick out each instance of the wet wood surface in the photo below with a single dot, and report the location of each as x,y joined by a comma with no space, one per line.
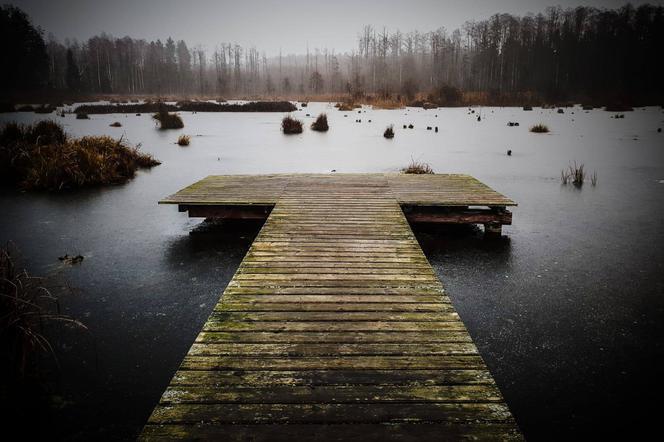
423,190
334,327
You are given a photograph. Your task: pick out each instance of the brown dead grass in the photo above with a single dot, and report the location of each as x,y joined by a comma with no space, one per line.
290,125
42,156
417,168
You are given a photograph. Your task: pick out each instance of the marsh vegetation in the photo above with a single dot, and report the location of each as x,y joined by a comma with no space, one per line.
186,106
42,156
576,175
320,125
539,128
290,125
167,120
26,307
183,140
417,168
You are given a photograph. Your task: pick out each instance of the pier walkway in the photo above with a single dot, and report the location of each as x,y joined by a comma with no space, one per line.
335,326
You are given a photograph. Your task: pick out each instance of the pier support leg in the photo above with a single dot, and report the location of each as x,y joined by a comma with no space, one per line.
493,229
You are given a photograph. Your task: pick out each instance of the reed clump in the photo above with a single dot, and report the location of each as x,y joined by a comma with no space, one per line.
290,125
417,168
320,125
26,306
41,156
348,106
539,128
183,140
389,132
167,120
575,174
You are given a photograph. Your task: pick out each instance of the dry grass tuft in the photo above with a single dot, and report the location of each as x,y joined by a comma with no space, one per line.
320,125
41,156
418,168
168,121
576,175
386,102
183,140
348,106
290,125
539,128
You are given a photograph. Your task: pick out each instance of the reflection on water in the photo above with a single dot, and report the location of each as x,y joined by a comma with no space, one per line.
566,309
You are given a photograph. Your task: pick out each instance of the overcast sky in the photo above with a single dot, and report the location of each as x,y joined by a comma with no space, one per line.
270,24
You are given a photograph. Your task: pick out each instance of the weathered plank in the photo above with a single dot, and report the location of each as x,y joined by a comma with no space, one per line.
403,432
420,336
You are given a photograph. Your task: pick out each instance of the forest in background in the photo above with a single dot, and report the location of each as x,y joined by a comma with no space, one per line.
584,54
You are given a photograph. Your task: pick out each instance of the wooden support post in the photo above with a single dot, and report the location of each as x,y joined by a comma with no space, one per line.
229,211
457,215
493,229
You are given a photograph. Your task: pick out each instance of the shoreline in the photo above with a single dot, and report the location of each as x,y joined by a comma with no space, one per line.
469,99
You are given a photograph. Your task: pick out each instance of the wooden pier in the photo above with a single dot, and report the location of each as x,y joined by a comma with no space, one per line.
335,326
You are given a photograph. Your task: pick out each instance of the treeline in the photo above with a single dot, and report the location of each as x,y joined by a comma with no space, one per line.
582,53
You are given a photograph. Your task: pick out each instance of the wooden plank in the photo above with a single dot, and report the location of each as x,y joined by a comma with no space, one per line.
338,394
315,378
223,315
404,432
258,306
318,349
314,413
335,325
329,326
463,216
339,337
241,211
381,362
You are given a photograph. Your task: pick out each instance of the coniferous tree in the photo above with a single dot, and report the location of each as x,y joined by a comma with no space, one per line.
73,75
23,54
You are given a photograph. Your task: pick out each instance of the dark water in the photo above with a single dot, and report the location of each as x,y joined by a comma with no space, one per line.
566,309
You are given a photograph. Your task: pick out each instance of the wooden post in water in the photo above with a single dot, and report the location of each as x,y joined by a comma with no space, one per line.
493,230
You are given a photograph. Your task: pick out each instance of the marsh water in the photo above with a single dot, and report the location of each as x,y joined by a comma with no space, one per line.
567,308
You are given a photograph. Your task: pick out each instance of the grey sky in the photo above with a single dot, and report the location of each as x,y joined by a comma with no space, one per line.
270,24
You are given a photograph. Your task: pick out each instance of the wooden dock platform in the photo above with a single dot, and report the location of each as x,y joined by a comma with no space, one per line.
335,326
